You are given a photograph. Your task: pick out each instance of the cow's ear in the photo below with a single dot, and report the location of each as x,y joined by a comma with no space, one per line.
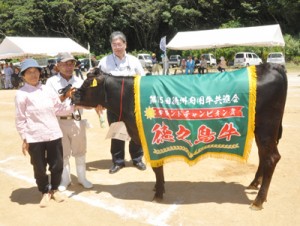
97,71
93,72
89,75
94,83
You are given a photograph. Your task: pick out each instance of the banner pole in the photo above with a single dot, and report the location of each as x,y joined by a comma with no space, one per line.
165,63
90,61
163,47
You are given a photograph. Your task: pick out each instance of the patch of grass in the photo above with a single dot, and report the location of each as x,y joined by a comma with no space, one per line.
292,68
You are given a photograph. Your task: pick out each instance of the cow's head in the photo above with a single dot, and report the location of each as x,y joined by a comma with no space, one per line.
91,93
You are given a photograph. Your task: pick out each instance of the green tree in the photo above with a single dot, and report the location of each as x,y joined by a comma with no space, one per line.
62,18
98,16
143,18
143,22
17,18
292,48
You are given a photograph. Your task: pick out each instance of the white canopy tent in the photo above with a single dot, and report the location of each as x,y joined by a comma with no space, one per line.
17,47
269,35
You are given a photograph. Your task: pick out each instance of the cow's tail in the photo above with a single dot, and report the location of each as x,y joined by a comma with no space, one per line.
282,71
285,84
279,133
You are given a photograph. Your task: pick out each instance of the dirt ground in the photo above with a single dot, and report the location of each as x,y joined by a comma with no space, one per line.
209,193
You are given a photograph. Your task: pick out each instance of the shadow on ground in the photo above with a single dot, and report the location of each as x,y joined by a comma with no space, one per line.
184,192
181,192
25,196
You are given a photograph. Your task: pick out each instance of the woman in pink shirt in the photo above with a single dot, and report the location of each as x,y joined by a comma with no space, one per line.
36,122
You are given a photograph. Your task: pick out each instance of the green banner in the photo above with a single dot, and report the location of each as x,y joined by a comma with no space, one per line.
190,117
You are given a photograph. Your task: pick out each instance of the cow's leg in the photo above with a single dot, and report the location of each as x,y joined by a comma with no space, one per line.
254,185
269,156
159,184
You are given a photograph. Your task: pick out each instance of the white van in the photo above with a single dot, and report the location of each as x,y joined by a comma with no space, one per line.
210,59
175,60
244,59
276,57
145,60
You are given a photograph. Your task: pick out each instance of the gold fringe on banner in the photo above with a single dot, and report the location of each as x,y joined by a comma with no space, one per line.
251,114
138,116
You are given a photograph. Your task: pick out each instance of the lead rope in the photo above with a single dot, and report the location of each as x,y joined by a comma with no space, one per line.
121,100
63,91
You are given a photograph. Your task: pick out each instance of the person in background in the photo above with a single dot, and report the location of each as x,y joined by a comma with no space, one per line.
94,61
153,58
11,65
203,65
78,68
8,71
156,68
50,69
15,79
166,65
74,129
119,63
222,64
190,65
2,76
183,65
197,64
36,122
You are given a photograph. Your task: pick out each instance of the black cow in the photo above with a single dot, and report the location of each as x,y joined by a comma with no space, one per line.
271,97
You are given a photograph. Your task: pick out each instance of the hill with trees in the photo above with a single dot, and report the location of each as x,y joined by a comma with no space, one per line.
143,22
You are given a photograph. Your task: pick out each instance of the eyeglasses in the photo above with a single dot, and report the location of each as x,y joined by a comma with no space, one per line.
117,45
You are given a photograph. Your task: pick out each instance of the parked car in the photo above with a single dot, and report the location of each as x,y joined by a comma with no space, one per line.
174,60
145,60
85,64
244,59
17,64
276,57
210,59
43,62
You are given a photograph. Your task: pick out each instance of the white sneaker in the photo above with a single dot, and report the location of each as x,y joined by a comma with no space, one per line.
45,200
63,187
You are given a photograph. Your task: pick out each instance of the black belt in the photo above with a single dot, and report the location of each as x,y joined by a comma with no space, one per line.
66,117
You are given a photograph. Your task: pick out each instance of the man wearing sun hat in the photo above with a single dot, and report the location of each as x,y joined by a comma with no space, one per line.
74,130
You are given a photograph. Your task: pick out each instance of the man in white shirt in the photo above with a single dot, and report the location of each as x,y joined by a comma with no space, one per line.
74,130
119,63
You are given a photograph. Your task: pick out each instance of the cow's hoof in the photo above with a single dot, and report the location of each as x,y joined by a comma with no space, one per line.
255,207
157,199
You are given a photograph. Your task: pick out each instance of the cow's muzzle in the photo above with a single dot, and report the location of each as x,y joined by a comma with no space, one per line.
76,97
